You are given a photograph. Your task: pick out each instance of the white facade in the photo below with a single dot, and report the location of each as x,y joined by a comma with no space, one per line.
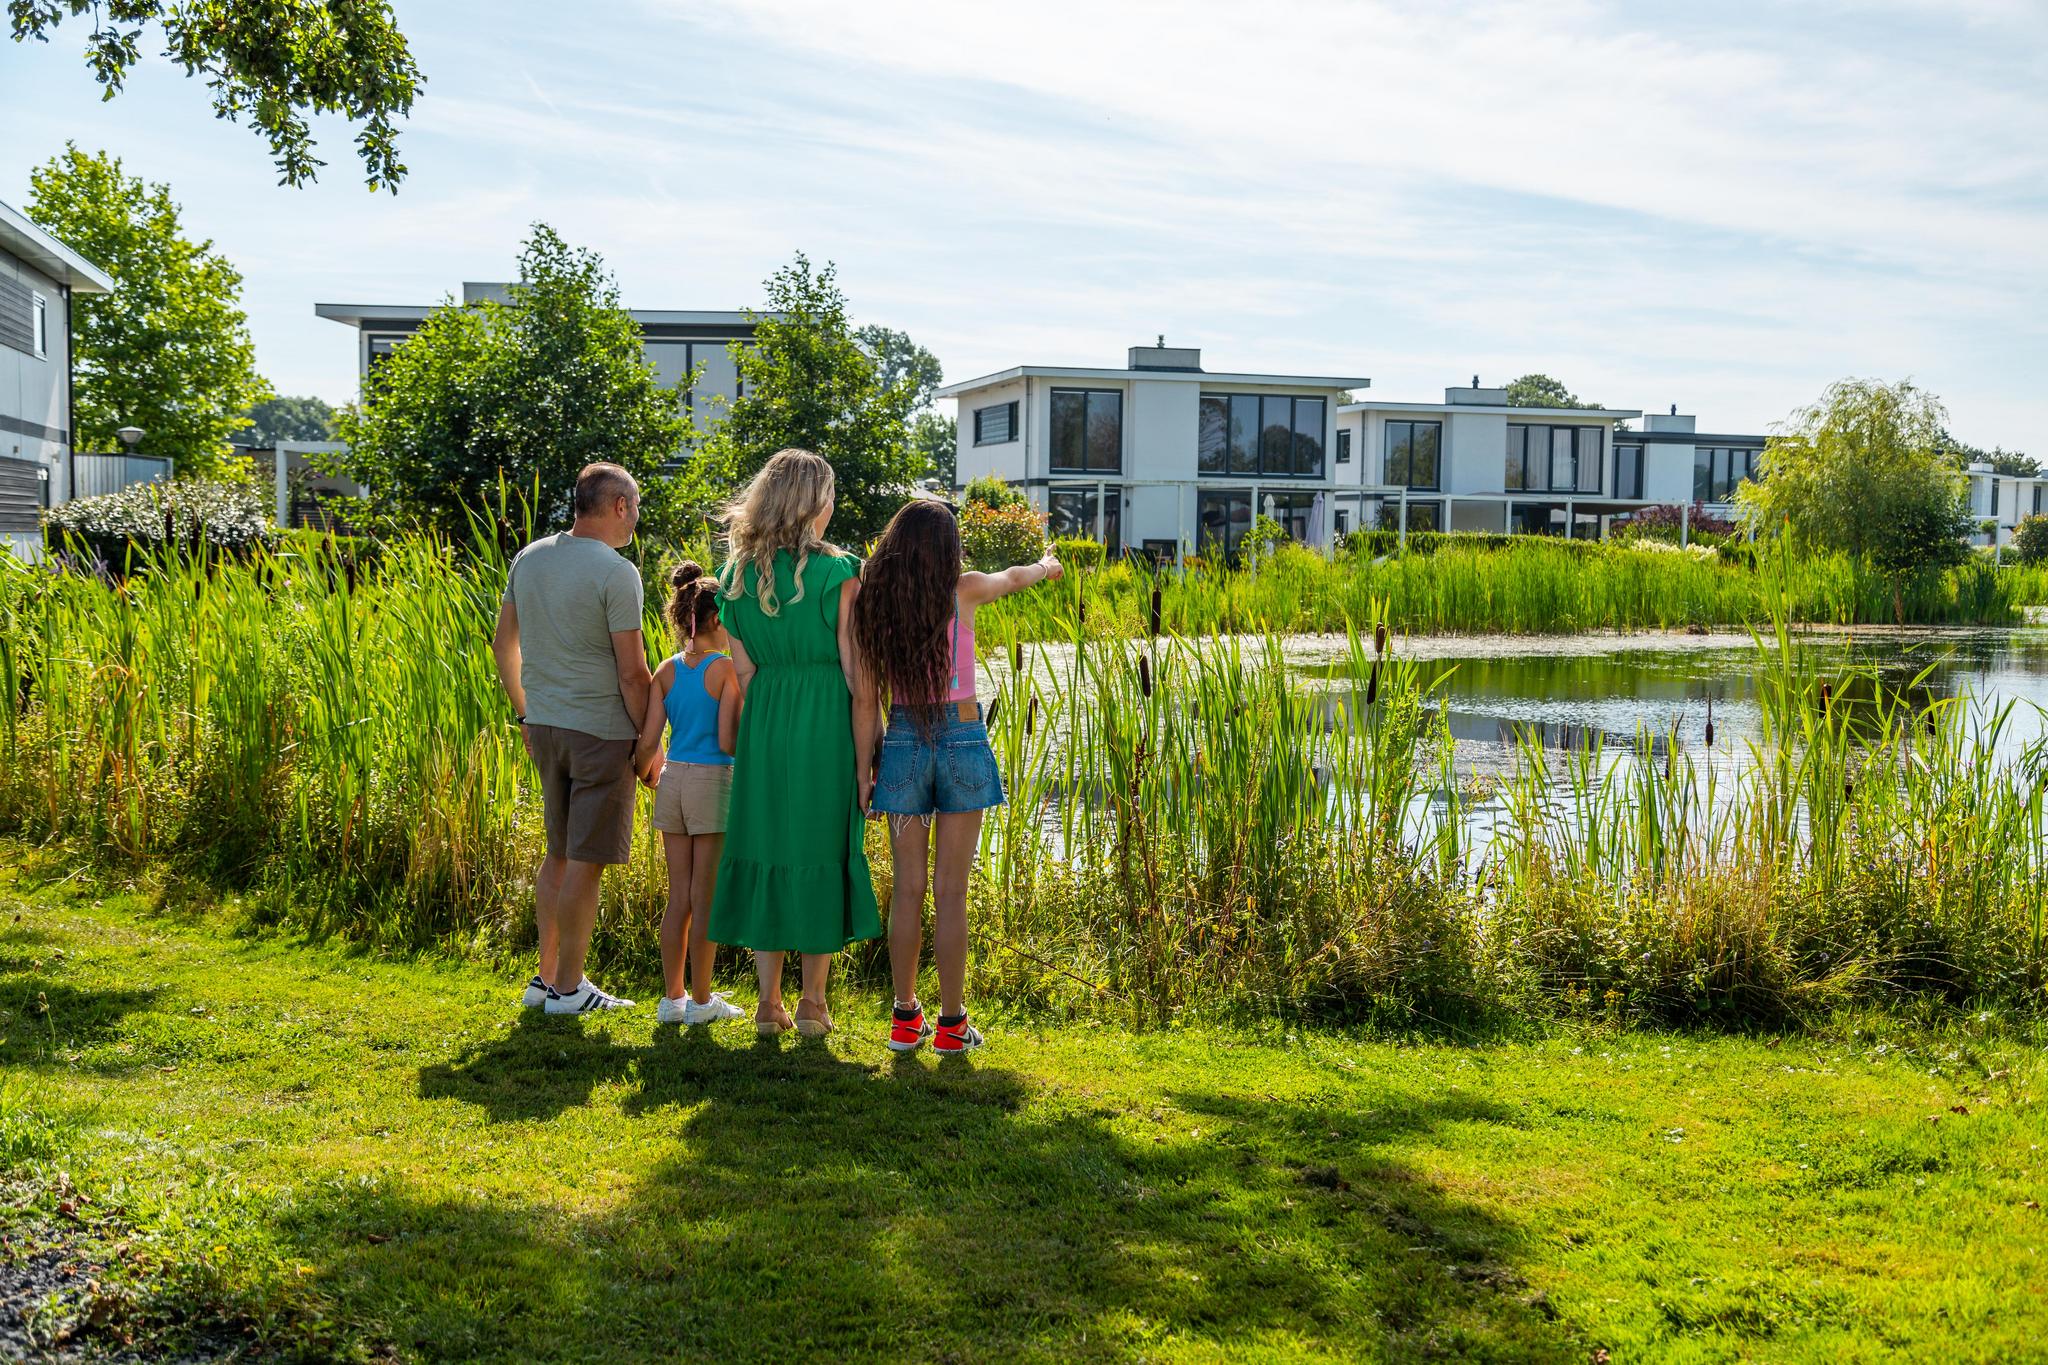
1138,456
674,342
2005,499
38,278
1195,456
1475,463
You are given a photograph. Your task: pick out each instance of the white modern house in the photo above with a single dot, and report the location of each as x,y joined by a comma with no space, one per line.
2005,499
1158,455
39,275
1475,463
674,341
1165,457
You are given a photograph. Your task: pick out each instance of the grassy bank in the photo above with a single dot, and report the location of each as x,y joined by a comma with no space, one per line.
1192,832
329,1155
1535,586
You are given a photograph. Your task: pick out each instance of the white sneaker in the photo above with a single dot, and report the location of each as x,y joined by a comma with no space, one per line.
688,1012
536,993
587,1000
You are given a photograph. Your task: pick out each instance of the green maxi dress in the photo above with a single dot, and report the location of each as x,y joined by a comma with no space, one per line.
794,874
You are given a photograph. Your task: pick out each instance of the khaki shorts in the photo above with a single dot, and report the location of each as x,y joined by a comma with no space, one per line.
586,791
693,798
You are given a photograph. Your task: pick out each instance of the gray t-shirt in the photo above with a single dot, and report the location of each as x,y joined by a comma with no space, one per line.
571,593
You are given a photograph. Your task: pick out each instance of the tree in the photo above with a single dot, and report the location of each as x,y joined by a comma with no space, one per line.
289,419
1541,391
2011,463
1864,472
168,350
806,381
275,61
936,439
529,390
899,360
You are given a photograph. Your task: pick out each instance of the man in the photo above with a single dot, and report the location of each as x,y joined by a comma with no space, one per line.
573,664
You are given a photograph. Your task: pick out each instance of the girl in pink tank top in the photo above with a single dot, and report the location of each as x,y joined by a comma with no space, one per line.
913,630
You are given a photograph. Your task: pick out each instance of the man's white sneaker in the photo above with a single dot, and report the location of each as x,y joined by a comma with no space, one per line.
713,1011
587,1000
536,993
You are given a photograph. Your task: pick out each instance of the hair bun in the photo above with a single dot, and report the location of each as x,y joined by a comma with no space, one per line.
689,571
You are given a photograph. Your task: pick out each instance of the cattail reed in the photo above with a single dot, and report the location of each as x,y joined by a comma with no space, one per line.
995,708
1372,683
1030,714
1017,658
1379,637
1153,620
1145,675
1826,698
1710,722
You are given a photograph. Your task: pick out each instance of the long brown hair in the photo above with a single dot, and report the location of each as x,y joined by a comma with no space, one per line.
903,615
692,600
774,512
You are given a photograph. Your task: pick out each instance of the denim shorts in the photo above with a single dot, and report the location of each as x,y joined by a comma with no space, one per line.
950,772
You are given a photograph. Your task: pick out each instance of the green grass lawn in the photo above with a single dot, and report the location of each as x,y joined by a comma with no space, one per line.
312,1151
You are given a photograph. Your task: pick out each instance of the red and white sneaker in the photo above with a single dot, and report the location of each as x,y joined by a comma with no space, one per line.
908,1035
958,1036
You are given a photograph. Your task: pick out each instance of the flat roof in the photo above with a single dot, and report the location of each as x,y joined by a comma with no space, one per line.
1694,438
50,256
1121,373
1494,409
369,314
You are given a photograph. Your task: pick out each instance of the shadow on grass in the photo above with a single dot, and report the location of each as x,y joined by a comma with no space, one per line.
43,1023
808,1202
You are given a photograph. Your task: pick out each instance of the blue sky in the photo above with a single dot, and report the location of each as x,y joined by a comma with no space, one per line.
1721,206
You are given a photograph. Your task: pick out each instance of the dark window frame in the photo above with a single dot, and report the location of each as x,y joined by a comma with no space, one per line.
1088,397
1009,436
1343,455
1623,484
1112,510
1286,455
1582,459
1387,458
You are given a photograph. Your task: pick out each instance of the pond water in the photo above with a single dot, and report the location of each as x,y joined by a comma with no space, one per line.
1616,688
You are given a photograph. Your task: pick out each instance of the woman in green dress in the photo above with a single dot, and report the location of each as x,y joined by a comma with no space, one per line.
794,875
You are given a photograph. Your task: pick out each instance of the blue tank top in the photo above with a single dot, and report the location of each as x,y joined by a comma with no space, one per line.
693,715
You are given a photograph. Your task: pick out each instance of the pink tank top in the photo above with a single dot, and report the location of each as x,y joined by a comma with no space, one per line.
963,659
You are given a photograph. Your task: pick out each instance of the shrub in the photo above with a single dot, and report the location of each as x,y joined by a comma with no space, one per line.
993,538
1078,552
990,491
1266,534
187,512
1662,523
2030,539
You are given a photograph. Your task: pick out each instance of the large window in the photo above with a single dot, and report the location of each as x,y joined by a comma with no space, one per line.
1071,514
996,425
1296,514
1415,454
1422,516
1560,459
1222,519
1628,471
1271,436
1717,470
1088,430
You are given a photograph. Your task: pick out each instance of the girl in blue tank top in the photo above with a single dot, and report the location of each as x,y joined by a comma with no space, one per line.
696,693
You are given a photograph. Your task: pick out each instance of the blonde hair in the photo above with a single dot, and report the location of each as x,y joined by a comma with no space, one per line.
775,512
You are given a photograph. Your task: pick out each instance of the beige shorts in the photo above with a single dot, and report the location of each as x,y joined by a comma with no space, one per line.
693,798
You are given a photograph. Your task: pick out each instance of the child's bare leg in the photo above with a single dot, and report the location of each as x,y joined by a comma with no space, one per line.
957,837
704,852
910,849
675,918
